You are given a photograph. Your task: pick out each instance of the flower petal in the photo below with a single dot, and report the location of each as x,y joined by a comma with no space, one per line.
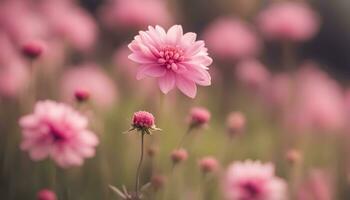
186,86
174,34
150,70
167,82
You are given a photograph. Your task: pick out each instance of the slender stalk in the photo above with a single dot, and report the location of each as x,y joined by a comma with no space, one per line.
182,141
137,182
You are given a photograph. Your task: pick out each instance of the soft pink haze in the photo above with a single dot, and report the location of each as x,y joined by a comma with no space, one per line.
253,180
56,131
230,38
174,58
293,21
91,78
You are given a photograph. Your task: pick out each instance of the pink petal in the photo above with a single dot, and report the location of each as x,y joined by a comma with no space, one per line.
186,86
195,48
202,59
136,57
167,82
188,39
197,74
174,34
150,70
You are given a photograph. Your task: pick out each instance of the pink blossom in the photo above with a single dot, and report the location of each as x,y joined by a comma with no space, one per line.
57,131
176,59
317,186
208,164
252,180
143,119
135,13
231,39
289,21
252,74
199,116
236,123
33,49
92,79
46,194
318,104
70,22
179,155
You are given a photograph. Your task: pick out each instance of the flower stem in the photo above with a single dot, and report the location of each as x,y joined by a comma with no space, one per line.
137,182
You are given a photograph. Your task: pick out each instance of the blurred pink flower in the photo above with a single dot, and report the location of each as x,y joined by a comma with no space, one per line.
14,74
179,155
231,39
293,21
236,123
172,57
137,14
252,74
70,22
278,91
33,49
252,180
57,131
46,194
208,164
199,116
317,186
318,102
91,78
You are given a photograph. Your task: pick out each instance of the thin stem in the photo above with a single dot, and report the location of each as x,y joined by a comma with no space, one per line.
183,138
137,182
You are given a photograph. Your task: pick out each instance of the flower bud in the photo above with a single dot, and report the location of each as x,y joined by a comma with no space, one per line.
46,194
179,155
236,123
32,49
208,164
199,117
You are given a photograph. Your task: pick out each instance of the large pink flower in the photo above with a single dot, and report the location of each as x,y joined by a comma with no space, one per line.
252,180
57,131
176,59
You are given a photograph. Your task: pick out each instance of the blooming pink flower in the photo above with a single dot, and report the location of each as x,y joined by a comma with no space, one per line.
289,20
252,180
57,131
231,39
179,155
252,74
135,13
172,57
143,119
199,116
33,49
91,78
208,164
318,104
46,194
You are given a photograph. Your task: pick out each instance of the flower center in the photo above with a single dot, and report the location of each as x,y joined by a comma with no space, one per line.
251,189
58,135
169,56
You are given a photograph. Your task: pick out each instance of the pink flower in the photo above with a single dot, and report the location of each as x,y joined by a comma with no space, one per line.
33,49
81,95
231,39
317,186
46,194
176,59
289,21
199,116
135,13
252,74
143,119
208,164
236,123
252,180
318,104
179,155
57,131
92,79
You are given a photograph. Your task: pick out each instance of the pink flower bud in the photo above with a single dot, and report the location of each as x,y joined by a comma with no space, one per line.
81,95
236,123
293,156
199,117
143,119
46,194
33,49
208,164
158,181
179,155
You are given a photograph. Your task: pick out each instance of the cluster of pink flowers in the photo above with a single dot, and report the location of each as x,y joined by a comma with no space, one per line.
57,131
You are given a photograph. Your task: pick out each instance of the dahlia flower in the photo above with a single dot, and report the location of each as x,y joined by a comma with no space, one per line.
252,180
57,131
176,59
